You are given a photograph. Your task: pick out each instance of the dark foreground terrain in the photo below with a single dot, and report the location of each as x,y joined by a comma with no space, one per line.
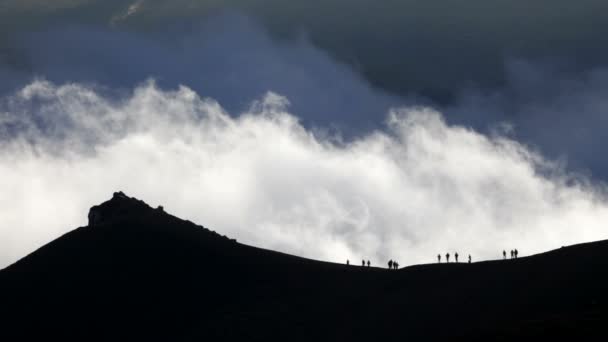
139,274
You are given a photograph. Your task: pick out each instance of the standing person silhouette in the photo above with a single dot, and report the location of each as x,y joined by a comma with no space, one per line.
439,258
390,264
456,256
396,265
368,263
469,258
447,258
363,263
347,262
504,254
512,254
515,252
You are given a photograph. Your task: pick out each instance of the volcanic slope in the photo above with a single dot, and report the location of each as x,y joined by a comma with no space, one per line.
138,273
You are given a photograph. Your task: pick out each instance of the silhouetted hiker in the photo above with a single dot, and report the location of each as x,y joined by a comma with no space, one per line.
515,252
396,265
363,263
439,258
447,258
368,263
456,256
512,254
390,264
469,258
504,254
347,262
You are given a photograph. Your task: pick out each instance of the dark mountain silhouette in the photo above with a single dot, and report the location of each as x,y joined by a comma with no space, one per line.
138,273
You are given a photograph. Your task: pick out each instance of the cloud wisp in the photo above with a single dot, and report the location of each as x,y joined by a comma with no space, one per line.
414,189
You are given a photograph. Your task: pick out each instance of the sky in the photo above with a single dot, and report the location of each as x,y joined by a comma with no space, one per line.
332,130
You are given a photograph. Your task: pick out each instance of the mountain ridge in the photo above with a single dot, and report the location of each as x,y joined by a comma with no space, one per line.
181,281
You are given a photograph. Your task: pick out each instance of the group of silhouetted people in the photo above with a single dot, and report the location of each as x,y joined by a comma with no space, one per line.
363,263
447,257
514,254
394,265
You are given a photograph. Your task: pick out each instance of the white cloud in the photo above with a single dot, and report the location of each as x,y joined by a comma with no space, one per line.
131,10
416,189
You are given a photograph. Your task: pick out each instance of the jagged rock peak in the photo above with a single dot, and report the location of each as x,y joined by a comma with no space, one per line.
119,206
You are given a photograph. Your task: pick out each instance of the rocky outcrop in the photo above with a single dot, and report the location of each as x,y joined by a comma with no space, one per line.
119,207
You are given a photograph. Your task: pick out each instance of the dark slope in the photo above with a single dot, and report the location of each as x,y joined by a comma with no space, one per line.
137,273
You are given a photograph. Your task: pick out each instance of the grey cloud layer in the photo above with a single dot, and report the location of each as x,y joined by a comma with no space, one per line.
229,58
417,188
561,112
432,47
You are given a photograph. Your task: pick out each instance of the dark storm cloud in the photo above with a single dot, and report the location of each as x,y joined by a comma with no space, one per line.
431,47
228,58
562,112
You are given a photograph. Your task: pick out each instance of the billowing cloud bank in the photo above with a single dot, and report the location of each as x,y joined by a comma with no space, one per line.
417,188
557,104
